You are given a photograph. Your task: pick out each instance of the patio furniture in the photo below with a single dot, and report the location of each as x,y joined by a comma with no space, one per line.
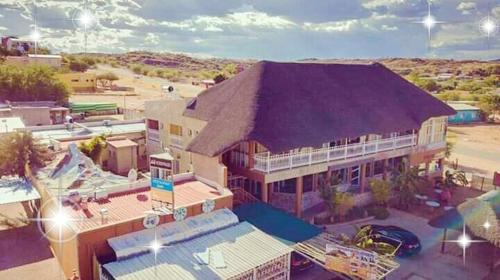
421,198
432,204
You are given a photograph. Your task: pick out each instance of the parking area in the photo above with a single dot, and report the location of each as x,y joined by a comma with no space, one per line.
430,262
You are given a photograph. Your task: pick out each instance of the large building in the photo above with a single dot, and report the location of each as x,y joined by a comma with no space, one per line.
50,60
80,82
276,128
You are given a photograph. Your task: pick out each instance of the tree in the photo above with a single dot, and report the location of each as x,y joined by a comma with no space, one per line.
107,79
343,202
93,148
381,192
407,180
327,192
219,78
78,66
18,150
490,104
31,83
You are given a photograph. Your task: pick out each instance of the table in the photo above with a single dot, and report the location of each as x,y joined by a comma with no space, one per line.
421,198
432,204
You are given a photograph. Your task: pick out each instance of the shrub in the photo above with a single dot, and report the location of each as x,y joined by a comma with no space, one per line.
381,192
78,66
380,213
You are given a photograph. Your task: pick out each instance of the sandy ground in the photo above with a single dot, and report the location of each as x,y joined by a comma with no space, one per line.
477,148
146,88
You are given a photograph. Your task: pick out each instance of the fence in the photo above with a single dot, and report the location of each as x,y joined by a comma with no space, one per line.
482,183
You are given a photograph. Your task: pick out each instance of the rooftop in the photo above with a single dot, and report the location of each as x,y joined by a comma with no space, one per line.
133,204
290,105
241,247
463,107
10,124
61,133
121,143
13,189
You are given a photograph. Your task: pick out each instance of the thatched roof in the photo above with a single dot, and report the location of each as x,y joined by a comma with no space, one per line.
478,210
289,105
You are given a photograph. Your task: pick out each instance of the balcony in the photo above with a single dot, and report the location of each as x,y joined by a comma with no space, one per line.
153,135
267,163
176,141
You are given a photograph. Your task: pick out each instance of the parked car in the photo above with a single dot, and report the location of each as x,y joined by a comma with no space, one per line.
300,263
396,236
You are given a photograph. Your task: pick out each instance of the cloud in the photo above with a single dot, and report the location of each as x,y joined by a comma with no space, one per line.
263,29
466,7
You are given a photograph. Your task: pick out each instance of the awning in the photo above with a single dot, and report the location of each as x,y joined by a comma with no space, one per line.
14,189
277,223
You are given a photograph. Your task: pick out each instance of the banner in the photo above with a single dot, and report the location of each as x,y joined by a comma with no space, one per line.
162,191
351,261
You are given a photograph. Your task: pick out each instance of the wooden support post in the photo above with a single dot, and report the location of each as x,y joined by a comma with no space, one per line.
265,192
251,151
299,188
362,177
386,165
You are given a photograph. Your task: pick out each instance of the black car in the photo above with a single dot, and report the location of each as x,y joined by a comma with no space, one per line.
300,263
396,236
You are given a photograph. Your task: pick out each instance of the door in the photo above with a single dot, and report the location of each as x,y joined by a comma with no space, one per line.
355,175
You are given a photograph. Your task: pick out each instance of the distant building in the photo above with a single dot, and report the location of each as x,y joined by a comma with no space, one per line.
208,83
465,114
8,125
80,82
11,43
35,112
50,60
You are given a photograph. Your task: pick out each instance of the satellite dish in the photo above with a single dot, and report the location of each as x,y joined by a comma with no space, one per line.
208,205
180,213
132,175
170,88
151,221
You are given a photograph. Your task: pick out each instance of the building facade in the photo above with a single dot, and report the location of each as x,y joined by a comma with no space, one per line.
465,114
80,82
276,129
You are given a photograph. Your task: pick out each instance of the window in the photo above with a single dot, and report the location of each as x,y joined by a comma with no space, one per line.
190,132
175,130
368,169
75,80
378,167
286,186
153,124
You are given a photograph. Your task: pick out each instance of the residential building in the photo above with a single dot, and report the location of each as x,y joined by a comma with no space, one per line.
8,125
11,43
35,112
122,155
465,114
277,128
50,60
80,82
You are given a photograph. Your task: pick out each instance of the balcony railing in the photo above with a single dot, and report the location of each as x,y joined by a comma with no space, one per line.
154,135
266,163
176,141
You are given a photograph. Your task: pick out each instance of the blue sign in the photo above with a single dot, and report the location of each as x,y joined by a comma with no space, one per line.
161,184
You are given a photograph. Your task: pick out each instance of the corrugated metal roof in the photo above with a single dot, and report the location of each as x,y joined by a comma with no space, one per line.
14,190
243,247
463,107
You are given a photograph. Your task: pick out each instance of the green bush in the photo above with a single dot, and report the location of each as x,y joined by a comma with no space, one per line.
78,66
31,83
380,213
381,191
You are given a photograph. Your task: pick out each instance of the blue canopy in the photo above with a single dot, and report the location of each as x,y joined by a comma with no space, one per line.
276,222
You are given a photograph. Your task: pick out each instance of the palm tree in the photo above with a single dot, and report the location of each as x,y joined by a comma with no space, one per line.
327,192
19,150
407,180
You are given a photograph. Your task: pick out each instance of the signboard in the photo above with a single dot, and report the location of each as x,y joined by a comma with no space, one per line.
351,261
160,163
162,191
151,221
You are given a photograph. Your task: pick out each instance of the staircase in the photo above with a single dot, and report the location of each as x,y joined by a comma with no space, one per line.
240,196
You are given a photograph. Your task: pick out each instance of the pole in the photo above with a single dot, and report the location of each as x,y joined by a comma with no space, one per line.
444,241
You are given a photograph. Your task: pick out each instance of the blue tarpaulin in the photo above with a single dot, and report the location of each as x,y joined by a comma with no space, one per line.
275,222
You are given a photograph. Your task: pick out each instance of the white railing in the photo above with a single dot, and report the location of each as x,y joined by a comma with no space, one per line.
267,163
153,135
176,141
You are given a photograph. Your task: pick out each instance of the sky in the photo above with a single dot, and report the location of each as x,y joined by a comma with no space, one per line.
261,29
